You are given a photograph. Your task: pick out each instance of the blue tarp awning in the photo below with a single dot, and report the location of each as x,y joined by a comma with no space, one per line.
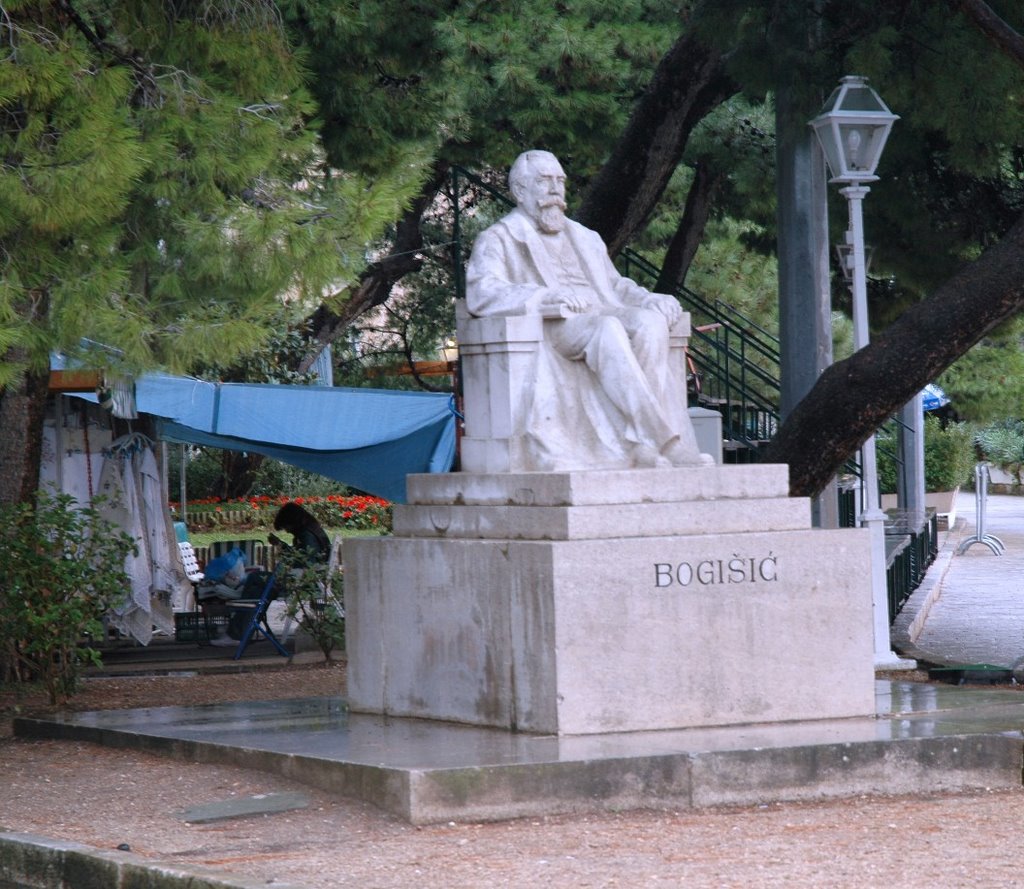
367,438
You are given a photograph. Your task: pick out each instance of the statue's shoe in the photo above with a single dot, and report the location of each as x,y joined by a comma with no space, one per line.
679,455
647,457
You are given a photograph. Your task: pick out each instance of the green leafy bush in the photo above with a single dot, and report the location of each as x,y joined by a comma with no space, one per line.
949,456
63,569
314,598
205,468
1002,443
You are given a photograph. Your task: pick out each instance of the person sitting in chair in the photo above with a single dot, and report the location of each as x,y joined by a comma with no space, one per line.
307,534
310,544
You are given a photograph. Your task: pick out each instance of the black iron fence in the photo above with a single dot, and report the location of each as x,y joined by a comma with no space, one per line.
911,545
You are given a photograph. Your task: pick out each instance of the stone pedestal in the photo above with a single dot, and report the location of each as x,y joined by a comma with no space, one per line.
594,602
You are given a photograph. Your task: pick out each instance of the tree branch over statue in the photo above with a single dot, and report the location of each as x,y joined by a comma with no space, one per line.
993,27
855,396
689,82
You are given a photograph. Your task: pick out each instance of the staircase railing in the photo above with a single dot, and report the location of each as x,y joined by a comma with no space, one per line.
736,359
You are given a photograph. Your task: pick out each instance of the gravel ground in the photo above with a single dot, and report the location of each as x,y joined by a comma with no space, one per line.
106,797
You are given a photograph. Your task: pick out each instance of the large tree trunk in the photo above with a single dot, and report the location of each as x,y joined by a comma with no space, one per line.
686,240
993,27
852,398
690,81
22,411
380,277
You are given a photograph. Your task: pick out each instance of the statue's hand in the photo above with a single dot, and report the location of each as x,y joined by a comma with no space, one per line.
667,305
573,300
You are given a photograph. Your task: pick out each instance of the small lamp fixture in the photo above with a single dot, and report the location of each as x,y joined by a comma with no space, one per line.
450,350
852,128
844,254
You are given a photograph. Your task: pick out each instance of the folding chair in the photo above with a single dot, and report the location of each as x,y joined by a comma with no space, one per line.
257,622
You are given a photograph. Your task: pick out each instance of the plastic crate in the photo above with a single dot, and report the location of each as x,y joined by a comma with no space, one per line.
194,626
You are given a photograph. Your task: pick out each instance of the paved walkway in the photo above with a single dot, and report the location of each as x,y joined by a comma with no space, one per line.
924,737
970,609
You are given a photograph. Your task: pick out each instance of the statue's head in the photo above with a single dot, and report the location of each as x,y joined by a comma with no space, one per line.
537,182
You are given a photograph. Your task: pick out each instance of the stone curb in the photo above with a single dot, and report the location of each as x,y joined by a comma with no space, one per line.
911,620
36,862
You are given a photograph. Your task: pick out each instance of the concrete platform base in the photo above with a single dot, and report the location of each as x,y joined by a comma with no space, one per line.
924,738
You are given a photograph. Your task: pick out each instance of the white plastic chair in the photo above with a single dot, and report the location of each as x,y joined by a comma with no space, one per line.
190,563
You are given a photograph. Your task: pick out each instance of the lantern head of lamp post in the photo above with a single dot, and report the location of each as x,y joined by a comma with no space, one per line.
852,128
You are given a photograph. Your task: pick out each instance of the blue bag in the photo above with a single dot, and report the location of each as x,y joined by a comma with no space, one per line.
229,567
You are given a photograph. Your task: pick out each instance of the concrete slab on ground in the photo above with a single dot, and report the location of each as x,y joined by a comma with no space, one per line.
924,738
245,807
970,607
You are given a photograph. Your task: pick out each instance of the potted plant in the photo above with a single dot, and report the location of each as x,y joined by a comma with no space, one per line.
949,459
1002,444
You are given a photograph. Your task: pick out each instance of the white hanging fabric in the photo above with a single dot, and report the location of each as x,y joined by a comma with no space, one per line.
133,500
168,573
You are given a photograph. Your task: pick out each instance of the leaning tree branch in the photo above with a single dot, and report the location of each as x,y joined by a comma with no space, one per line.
854,397
689,82
683,247
992,26
328,323
144,77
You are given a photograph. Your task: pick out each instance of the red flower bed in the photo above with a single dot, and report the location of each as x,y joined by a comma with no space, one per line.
361,512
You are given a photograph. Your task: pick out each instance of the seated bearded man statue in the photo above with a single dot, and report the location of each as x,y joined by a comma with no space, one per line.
601,397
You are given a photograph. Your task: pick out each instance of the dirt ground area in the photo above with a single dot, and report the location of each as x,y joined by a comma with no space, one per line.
107,797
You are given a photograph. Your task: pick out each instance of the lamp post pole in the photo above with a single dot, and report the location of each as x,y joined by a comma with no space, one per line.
872,516
852,128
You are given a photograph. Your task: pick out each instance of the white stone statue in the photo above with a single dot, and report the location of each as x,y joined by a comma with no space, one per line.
601,394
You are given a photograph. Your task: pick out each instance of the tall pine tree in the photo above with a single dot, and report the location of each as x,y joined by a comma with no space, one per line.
161,191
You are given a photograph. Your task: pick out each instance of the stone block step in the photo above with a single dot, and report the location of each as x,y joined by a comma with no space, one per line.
595,488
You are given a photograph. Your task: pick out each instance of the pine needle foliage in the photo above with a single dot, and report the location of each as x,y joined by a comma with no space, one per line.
476,83
163,186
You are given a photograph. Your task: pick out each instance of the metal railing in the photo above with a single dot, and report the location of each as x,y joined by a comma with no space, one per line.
910,549
737,360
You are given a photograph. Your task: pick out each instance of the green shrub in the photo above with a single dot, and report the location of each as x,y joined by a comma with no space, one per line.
949,456
1002,443
321,614
282,479
63,570
204,469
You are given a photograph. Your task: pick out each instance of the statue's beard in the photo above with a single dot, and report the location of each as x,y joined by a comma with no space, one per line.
550,216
